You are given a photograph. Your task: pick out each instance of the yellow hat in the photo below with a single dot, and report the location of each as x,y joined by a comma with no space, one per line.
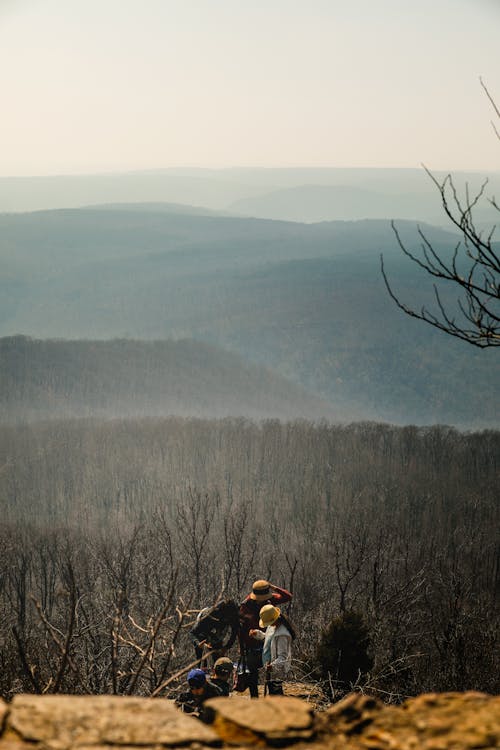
268,615
261,591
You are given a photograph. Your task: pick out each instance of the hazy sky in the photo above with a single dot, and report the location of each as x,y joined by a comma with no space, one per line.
104,85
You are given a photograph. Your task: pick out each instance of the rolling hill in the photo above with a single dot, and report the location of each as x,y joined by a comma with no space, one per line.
314,203
54,379
306,300
298,194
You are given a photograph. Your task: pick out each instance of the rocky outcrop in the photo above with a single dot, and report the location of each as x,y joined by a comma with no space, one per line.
278,720
61,722
446,721
436,721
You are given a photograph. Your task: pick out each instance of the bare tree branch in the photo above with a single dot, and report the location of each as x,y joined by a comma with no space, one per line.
30,673
473,269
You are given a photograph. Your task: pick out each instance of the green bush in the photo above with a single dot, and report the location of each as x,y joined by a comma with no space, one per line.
342,653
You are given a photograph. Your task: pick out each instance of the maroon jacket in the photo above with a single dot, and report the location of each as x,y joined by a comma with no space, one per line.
249,614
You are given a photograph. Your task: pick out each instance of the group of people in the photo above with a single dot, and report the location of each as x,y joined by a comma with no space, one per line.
201,687
265,637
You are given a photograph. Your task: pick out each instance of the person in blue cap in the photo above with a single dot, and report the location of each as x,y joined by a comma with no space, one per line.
200,689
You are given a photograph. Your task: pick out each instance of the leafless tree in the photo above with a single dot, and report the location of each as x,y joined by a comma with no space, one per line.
473,269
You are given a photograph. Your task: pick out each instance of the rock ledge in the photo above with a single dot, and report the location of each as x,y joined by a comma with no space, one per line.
440,721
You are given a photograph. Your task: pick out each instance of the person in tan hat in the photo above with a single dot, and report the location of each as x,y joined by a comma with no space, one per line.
263,592
222,673
277,646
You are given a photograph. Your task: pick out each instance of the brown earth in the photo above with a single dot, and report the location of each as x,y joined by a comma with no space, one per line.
441,721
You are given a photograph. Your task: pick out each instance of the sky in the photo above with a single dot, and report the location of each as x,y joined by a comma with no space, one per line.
93,86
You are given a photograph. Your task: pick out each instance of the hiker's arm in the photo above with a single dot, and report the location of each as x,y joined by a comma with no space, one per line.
257,634
234,633
197,638
280,596
186,703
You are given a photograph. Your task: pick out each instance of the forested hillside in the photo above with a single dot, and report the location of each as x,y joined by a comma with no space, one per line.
112,528
307,301
50,379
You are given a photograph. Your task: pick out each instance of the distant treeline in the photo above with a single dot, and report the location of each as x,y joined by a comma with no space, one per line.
115,533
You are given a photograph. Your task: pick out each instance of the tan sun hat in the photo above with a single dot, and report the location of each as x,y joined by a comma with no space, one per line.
268,615
260,591
223,665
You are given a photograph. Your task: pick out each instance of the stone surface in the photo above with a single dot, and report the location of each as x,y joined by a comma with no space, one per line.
74,721
310,692
444,721
272,719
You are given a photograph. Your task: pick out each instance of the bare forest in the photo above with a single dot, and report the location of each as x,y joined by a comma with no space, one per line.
115,533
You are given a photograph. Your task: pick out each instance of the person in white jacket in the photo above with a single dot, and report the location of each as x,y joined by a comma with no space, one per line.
277,652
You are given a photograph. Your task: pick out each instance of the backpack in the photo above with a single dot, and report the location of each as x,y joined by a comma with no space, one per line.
217,625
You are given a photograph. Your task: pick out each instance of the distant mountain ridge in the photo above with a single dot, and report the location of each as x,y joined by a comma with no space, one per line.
383,193
315,203
157,207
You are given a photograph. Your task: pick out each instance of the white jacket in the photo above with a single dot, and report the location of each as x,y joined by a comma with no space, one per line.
277,643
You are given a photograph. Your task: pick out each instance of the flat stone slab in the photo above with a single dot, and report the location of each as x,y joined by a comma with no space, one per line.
66,721
276,719
434,721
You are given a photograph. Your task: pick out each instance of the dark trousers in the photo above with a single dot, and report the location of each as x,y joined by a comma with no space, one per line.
253,657
275,687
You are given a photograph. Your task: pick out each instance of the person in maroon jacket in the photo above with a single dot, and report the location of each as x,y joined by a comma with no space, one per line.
262,593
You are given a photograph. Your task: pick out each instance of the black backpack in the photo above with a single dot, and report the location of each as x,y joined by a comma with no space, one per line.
217,625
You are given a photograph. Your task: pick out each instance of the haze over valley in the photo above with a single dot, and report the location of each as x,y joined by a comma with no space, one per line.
291,194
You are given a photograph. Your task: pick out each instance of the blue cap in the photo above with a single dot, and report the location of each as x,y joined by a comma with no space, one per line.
196,678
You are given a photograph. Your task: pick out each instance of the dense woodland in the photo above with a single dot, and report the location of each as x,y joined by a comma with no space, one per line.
58,379
115,533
